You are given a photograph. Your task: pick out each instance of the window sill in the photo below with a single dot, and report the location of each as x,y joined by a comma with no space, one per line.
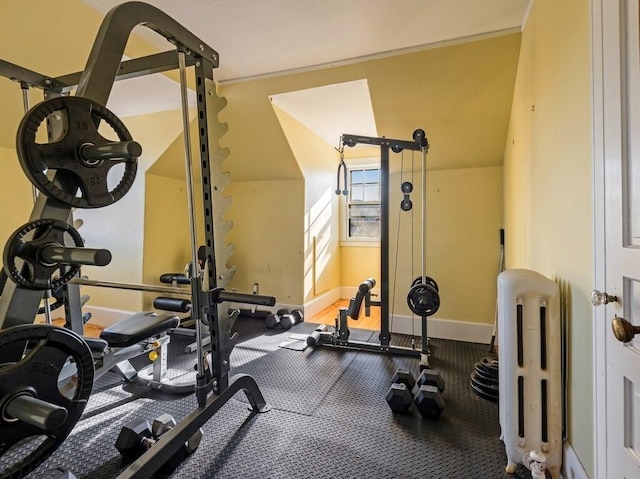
360,243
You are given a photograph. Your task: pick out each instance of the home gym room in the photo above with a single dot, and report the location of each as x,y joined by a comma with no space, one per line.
471,123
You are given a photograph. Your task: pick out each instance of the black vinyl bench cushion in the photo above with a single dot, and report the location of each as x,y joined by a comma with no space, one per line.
96,345
138,327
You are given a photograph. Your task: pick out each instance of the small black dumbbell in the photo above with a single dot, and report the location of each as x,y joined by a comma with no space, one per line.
287,321
138,435
431,377
399,396
428,399
273,320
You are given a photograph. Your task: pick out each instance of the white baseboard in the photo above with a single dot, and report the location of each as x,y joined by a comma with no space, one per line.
571,466
444,329
323,301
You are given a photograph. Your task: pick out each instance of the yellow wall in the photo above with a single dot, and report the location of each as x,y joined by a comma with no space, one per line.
120,226
464,216
548,185
320,227
268,252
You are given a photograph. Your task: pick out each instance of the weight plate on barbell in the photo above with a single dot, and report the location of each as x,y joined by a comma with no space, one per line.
423,300
89,178
52,364
34,273
426,280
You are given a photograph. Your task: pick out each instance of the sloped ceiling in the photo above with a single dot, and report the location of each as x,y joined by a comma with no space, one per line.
420,72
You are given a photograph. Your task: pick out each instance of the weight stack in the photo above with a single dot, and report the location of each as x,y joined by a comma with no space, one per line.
529,375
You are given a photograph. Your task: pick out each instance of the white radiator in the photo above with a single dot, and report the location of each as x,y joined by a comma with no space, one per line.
529,371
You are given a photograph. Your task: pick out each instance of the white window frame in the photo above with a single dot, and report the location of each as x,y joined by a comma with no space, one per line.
345,240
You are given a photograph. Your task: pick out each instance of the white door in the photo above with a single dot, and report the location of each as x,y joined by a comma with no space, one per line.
616,42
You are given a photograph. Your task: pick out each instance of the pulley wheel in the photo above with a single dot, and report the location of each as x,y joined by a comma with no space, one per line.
426,280
51,364
423,300
80,176
35,273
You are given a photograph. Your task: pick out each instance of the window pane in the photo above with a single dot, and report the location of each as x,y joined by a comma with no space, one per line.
357,176
372,176
357,193
364,228
372,192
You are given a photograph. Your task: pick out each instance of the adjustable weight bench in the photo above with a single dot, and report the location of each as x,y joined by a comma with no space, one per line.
142,333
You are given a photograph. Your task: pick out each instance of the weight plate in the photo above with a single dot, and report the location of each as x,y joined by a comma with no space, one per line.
483,394
484,373
487,390
56,366
89,178
426,280
34,273
490,364
423,300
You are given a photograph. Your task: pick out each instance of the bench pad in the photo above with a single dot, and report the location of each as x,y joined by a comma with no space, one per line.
138,327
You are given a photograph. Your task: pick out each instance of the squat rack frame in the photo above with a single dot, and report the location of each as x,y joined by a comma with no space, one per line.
104,66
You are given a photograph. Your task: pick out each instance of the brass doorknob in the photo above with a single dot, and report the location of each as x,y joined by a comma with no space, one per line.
599,297
623,330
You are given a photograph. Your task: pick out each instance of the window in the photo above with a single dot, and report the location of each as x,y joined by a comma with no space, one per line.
363,204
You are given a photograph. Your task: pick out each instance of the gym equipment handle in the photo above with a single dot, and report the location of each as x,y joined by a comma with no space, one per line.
179,278
172,304
74,256
221,295
111,150
31,410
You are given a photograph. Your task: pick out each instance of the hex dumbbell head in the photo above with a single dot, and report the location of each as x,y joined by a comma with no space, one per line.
431,377
429,402
131,440
161,424
399,397
404,376
273,320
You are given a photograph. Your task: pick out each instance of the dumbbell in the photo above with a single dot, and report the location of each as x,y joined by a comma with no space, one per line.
399,397
138,435
273,319
428,399
287,321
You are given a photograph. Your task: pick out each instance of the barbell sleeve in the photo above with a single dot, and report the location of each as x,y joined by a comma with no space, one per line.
221,295
71,255
36,412
111,150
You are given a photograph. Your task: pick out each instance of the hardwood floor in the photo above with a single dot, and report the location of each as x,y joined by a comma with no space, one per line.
328,316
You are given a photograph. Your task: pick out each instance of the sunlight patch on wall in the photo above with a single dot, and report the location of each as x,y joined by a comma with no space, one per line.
317,242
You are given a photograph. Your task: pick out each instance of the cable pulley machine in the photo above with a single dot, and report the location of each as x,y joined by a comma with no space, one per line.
423,298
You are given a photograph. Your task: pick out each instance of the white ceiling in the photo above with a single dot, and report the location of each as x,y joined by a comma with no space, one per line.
257,38
262,37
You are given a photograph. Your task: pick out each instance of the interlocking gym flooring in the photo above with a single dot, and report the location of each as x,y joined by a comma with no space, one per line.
329,417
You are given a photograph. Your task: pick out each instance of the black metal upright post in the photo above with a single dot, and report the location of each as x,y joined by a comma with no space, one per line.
385,334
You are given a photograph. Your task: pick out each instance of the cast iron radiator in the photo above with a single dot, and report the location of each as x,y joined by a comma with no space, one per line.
529,336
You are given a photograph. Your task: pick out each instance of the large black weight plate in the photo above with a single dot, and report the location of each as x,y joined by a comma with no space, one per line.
425,280
35,274
484,373
423,300
88,177
43,352
483,388
490,364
